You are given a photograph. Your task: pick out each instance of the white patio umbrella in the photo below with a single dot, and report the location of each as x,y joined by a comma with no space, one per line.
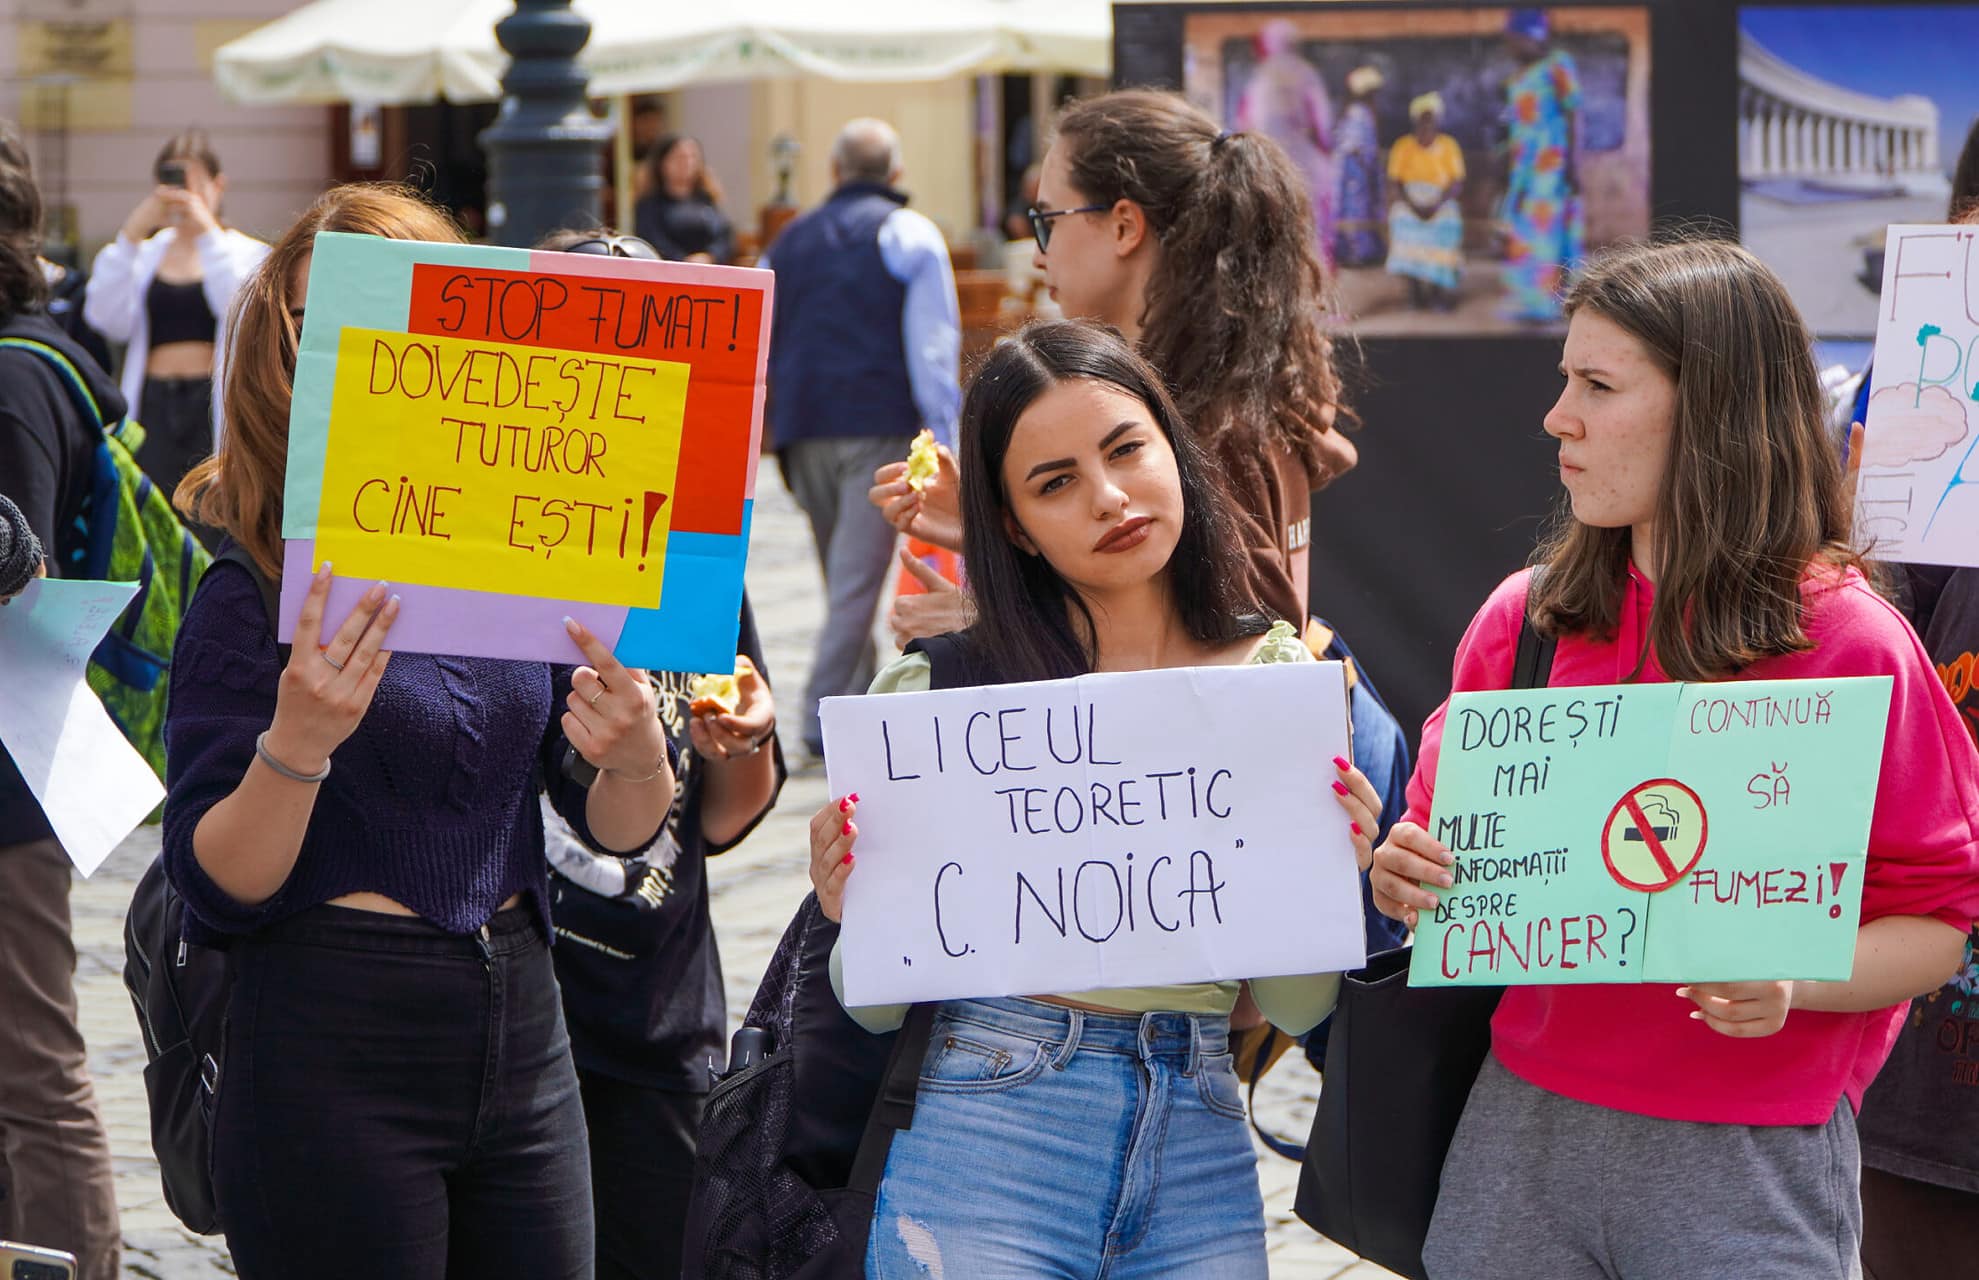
405,51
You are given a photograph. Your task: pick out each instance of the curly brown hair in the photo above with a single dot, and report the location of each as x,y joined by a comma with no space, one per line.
1236,306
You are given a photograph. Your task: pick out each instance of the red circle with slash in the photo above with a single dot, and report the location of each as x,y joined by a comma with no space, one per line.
1654,835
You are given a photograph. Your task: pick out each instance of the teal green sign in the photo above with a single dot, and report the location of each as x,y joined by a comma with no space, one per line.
1654,832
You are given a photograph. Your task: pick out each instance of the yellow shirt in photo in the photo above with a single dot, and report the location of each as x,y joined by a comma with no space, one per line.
1439,164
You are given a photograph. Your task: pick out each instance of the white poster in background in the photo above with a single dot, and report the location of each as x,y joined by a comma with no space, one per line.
92,784
1116,830
1919,489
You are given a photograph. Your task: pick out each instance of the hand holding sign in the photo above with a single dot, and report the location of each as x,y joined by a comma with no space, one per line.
1741,1010
611,719
1407,860
326,689
832,834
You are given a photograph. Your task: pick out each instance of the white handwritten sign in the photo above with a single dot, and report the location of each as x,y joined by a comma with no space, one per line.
1117,830
1919,489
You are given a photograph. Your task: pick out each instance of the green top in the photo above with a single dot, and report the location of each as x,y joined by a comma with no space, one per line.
1293,1004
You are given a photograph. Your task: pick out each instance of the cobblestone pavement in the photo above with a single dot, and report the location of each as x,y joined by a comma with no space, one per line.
755,887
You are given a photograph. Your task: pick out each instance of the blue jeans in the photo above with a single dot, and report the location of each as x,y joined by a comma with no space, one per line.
1050,1142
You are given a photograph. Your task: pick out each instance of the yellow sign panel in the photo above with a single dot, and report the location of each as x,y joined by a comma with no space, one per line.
492,467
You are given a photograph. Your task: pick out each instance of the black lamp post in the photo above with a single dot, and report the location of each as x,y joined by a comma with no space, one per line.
545,151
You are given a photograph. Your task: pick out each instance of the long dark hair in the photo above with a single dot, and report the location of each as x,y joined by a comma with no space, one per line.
706,186
22,286
1025,627
1235,308
1752,493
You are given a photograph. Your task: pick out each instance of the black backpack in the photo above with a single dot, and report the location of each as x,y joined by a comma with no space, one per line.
180,990
792,1148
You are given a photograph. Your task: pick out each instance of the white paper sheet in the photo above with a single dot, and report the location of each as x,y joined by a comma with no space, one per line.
1128,829
92,784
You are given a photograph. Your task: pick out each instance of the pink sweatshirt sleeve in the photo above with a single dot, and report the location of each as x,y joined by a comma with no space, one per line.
1484,661
1924,834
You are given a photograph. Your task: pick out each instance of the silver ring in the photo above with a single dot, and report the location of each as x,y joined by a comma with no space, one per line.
334,664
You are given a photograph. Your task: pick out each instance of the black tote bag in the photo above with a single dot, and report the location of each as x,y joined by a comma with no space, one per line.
1400,1062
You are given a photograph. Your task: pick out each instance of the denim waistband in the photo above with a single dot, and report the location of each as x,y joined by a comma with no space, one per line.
1188,1036
506,932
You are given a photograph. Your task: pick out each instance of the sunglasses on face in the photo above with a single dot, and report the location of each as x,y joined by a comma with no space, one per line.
1041,221
616,247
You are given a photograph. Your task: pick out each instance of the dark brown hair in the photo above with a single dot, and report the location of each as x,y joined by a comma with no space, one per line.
239,489
1025,611
706,185
1752,495
1235,308
22,286
191,144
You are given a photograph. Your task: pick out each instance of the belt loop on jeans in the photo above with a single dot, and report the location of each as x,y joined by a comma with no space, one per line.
1075,1027
1195,1047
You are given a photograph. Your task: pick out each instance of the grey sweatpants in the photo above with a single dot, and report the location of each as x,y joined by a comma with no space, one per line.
1541,1187
829,478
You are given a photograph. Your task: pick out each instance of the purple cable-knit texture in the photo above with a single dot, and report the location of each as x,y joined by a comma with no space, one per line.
431,801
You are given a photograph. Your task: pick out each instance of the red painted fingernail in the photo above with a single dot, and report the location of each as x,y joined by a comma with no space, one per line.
848,829
854,797
1341,762
1341,787
1356,826
848,859
844,805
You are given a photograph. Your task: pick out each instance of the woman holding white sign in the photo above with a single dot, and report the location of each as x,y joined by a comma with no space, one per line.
1103,1130
397,1096
1707,538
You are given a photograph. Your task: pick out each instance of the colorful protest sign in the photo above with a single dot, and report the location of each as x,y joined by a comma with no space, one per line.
509,437
1127,829
92,785
1654,832
1919,488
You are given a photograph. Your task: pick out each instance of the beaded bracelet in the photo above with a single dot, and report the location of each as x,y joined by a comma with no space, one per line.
268,758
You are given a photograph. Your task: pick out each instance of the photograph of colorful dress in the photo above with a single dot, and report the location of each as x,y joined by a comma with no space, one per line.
1357,242
1546,227
1286,100
1427,249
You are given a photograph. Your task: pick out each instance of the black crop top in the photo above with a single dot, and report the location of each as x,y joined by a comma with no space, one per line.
178,313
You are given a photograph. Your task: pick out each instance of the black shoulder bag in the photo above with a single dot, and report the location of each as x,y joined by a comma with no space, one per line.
793,1146
1400,1063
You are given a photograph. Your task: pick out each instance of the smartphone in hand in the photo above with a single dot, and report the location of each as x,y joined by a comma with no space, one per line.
25,1262
171,173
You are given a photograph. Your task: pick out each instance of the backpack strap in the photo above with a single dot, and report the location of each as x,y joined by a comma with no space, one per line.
893,1110
271,592
951,662
65,369
1532,662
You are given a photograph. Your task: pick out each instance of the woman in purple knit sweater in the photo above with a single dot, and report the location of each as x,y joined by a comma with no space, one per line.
397,1097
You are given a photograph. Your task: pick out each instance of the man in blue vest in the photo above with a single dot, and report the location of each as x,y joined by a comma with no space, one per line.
864,351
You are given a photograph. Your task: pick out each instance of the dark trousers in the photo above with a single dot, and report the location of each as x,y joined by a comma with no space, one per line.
642,1168
177,417
399,1103
1915,1230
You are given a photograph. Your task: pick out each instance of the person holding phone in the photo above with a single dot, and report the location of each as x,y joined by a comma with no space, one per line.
163,287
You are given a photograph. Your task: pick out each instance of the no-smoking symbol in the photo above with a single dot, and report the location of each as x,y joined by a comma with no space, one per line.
1655,835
